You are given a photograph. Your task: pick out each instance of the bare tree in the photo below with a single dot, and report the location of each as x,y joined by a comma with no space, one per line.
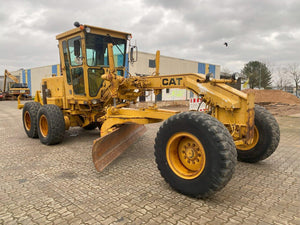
226,71
294,71
282,79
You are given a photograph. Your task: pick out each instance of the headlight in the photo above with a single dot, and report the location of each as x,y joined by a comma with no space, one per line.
94,101
208,77
88,29
234,76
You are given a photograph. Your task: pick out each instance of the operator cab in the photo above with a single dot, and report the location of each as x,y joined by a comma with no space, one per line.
84,57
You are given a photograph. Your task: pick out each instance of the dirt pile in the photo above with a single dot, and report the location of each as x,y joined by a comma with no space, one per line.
278,102
273,96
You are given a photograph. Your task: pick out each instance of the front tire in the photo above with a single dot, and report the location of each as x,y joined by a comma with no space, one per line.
266,137
51,124
29,117
195,154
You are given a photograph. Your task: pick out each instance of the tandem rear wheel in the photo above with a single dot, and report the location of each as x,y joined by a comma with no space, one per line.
29,117
50,124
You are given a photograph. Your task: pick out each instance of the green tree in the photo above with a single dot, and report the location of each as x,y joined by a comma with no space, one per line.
258,74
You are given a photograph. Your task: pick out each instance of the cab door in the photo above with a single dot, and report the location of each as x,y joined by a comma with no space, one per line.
73,66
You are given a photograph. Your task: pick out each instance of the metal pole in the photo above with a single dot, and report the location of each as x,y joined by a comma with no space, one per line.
260,76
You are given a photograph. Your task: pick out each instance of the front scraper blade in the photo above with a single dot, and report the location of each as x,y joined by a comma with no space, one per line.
109,147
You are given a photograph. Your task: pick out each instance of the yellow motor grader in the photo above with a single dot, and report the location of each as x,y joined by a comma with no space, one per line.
195,152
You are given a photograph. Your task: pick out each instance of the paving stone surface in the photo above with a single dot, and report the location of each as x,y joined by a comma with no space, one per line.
58,184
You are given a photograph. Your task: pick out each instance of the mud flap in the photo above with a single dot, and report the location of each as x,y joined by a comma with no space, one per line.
109,147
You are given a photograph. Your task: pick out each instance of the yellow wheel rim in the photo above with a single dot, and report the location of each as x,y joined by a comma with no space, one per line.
246,147
44,126
27,120
185,155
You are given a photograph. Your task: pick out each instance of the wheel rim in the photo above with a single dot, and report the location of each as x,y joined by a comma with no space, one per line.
185,155
27,120
246,147
44,125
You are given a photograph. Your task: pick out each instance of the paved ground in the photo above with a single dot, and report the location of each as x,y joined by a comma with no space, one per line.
59,185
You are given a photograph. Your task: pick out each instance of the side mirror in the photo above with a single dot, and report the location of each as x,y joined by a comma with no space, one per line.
77,48
133,56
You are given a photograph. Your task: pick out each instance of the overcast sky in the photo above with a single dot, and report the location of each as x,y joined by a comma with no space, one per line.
264,30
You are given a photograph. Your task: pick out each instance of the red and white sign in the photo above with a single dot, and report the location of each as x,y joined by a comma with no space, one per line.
195,103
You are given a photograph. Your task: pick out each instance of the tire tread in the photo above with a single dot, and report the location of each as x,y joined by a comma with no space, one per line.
32,108
223,141
56,124
262,152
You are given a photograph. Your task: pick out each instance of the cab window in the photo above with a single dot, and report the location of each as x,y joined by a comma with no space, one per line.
78,81
75,51
67,63
96,50
95,80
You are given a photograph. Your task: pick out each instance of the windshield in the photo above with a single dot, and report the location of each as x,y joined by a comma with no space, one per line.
96,50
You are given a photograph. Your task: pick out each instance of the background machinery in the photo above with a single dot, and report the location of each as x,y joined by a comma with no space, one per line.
195,152
14,89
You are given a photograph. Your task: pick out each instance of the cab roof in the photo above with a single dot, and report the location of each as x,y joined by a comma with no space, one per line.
94,30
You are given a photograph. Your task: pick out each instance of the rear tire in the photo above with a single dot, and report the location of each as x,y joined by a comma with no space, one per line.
195,154
29,117
266,138
51,124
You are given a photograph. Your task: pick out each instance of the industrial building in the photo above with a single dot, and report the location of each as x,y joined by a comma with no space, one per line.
169,65
145,66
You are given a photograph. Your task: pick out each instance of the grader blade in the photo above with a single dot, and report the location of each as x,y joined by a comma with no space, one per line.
109,147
